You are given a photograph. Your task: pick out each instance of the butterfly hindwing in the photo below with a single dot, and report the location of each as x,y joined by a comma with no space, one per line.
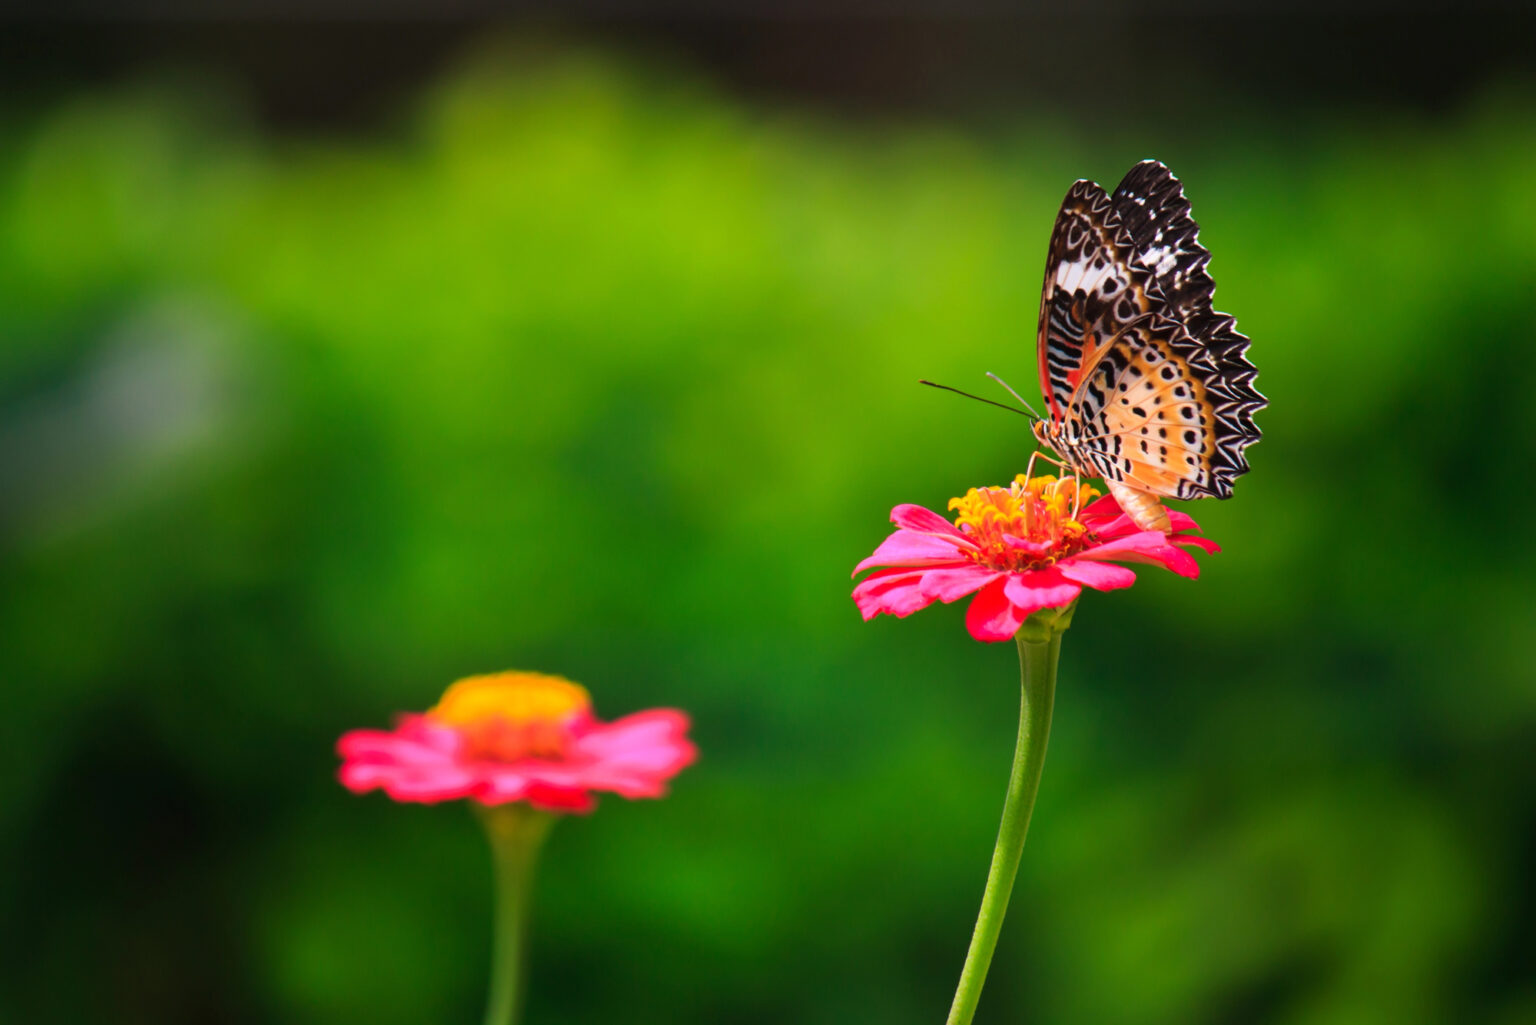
1152,428
1147,384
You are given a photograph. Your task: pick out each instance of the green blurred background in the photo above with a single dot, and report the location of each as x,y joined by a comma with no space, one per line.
593,350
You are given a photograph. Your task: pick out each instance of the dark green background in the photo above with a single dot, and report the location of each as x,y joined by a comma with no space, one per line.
577,359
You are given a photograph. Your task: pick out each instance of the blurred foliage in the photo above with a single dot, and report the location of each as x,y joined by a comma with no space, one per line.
592,370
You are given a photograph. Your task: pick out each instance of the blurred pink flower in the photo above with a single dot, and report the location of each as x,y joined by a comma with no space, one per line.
518,737
1019,549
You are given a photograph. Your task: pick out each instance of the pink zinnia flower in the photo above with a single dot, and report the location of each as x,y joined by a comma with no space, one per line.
518,737
1019,549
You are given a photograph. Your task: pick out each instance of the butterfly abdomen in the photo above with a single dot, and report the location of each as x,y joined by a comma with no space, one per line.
1143,509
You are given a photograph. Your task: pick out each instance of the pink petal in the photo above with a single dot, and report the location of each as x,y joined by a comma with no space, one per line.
1149,546
895,592
1040,589
1105,518
503,782
1182,520
415,740
404,781
1034,549
1101,576
1204,544
1177,560
552,778
652,745
448,784
579,802
628,782
416,762
653,727
374,744
992,617
1101,513
924,521
950,584
524,781
906,548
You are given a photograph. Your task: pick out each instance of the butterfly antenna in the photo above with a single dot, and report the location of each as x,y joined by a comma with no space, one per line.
1009,389
978,398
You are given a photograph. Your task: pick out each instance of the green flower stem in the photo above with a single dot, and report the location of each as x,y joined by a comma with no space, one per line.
516,833
1039,642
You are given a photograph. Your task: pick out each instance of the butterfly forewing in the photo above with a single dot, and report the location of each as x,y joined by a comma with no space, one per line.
1164,238
1091,293
1147,384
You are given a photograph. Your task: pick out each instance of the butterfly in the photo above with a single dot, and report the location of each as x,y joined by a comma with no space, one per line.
1145,384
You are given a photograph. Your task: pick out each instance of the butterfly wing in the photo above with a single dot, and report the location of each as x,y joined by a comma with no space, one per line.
1092,292
1156,219
1145,381
1142,415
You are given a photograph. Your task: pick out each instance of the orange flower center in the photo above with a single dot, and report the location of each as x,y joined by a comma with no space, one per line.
1037,511
507,716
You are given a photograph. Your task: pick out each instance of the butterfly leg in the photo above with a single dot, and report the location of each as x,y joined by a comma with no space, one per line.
1029,470
1066,471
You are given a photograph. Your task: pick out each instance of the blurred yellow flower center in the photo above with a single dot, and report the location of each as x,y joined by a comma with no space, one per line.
507,716
1037,510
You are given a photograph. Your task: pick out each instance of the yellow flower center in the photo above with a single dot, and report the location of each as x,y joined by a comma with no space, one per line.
507,716
1035,510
